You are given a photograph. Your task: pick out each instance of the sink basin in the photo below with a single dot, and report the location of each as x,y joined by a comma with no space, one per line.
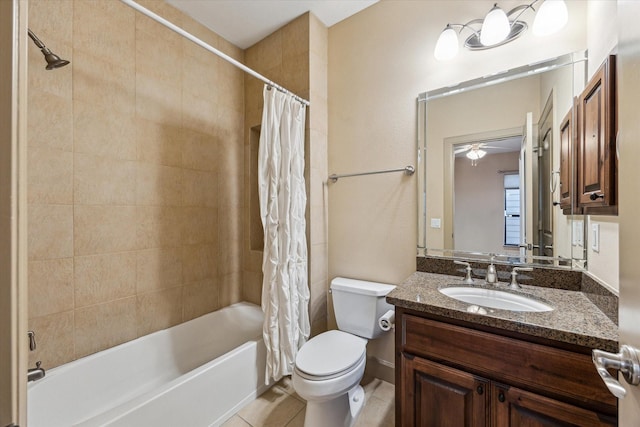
493,298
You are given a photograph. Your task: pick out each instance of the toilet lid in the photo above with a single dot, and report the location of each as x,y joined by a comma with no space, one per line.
330,353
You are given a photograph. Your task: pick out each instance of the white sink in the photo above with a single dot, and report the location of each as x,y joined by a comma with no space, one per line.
495,299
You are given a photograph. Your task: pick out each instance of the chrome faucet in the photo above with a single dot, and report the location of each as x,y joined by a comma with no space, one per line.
514,276
467,279
492,275
34,374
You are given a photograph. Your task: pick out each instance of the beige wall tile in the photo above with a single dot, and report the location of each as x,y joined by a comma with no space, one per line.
200,113
51,22
159,143
158,100
252,286
50,119
106,325
102,229
200,188
165,10
54,339
162,61
159,310
230,233
266,54
50,231
158,226
200,298
200,262
50,286
103,181
103,131
230,289
199,225
50,176
105,28
103,278
201,79
200,151
295,37
158,185
108,84
158,269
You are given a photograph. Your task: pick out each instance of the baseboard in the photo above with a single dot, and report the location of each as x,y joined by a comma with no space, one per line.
382,369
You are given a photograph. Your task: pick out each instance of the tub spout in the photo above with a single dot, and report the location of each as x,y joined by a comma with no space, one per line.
36,373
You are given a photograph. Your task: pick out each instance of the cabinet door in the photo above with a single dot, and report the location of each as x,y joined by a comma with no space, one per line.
596,139
566,178
512,407
435,395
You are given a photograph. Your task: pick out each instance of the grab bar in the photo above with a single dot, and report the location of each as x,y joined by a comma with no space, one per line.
408,170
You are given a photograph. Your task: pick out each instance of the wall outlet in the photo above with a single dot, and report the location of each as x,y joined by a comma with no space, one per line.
595,237
435,223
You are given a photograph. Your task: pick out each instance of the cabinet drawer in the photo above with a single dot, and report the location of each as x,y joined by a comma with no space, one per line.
546,370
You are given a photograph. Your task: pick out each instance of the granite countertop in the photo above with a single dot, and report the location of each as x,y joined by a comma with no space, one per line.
575,319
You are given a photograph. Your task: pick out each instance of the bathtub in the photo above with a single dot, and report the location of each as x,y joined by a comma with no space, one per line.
198,373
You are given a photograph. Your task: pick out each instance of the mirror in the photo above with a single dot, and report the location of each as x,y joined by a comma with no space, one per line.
488,162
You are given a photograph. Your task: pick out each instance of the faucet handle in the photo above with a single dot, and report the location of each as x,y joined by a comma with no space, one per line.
467,279
514,276
32,340
38,363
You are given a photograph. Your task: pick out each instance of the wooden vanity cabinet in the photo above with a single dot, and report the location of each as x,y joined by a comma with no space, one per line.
456,375
596,162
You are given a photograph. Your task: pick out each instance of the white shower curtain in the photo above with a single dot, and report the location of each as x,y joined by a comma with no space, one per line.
285,291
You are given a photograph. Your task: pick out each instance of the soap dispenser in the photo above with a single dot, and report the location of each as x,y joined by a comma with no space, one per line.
492,275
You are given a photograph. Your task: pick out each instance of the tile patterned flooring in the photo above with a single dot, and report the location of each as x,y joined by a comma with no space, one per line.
280,406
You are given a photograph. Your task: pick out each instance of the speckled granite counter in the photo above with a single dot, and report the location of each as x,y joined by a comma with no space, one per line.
575,319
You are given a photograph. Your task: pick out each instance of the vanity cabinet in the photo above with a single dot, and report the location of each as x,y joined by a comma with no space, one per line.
596,163
458,375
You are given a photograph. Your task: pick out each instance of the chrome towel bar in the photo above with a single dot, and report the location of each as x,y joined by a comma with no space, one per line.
408,170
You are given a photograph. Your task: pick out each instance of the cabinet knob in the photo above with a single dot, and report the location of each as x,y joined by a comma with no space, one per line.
595,196
480,389
501,396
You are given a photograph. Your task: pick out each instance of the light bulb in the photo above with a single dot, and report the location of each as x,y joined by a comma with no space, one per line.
475,154
447,45
495,27
551,17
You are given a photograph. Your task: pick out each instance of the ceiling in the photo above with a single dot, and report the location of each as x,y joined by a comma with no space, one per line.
245,22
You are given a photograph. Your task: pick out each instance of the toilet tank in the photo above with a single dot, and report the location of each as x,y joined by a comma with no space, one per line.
358,304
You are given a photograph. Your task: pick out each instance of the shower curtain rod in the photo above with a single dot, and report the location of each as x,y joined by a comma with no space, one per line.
210,48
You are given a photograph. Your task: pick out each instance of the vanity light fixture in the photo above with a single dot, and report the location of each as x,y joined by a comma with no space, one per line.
499,28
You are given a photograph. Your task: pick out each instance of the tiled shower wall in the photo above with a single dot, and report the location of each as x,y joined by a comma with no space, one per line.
135,176
295,56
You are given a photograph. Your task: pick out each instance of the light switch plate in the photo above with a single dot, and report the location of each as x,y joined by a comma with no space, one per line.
435,223
595,237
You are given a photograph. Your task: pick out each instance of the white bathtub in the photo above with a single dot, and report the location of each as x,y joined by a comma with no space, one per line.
198,373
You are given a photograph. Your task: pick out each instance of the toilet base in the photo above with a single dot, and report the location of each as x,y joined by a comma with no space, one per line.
342,411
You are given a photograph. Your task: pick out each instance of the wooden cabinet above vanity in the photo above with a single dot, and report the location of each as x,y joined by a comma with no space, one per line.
595,168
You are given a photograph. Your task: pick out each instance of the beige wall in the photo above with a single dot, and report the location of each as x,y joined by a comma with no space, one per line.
135,177
603,39
295,56
379,60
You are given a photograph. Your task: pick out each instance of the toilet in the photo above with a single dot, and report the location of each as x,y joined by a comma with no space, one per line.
330,366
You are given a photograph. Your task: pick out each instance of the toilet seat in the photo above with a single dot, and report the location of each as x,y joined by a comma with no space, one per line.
330,355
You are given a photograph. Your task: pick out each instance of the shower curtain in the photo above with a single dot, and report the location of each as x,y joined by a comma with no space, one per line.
285,291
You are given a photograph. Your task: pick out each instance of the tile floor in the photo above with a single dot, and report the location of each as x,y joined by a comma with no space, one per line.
282,407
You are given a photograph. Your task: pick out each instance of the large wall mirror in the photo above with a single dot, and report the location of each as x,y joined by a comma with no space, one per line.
489,166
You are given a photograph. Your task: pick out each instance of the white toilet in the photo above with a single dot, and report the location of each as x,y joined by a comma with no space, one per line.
329,367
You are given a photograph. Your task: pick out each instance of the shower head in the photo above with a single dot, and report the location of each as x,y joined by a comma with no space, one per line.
53,60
